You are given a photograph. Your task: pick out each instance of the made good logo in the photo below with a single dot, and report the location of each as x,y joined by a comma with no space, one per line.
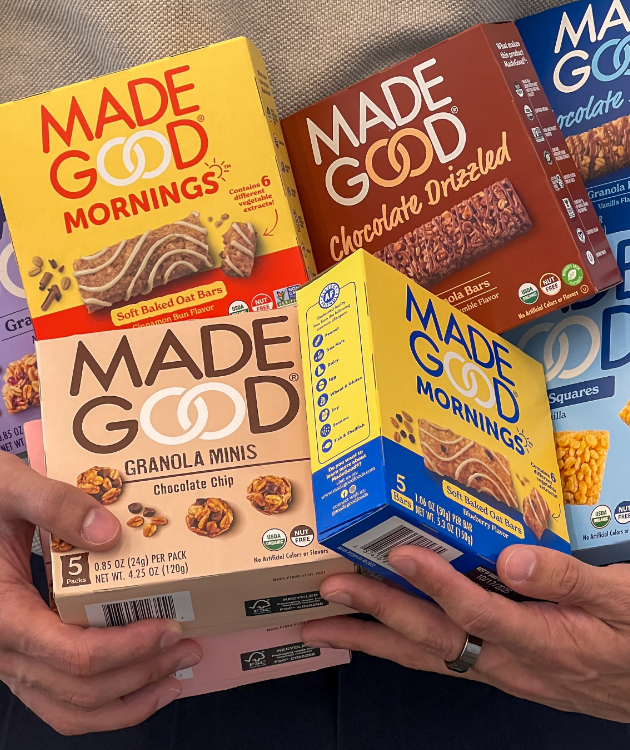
126,159
138,170
610,61
9,274
557,347
347,179
190,412
477,368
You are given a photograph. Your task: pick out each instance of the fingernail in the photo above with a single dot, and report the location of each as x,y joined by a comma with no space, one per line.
172,636
520,565
168,697
317,644
406,566
100,526
188,661
339,597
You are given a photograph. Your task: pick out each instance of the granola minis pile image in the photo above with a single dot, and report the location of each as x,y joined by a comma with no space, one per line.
21,384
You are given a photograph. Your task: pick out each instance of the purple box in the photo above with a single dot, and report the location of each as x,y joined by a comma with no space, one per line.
19,378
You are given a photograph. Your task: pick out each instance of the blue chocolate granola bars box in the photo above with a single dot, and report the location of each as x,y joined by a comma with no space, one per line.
581,52
585,350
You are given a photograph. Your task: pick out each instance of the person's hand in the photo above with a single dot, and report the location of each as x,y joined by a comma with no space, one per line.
76,679
573,655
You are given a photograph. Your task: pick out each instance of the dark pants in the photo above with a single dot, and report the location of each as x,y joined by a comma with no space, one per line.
367,705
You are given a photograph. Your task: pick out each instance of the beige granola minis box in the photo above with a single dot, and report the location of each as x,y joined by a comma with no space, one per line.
195,437
154,194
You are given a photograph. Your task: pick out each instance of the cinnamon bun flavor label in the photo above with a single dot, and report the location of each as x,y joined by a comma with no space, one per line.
165,191
425,428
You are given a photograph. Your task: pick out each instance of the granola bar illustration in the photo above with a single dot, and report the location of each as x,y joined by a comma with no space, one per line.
102,482
209,517
536,512
270,494
601,150
581,460
136,266
453,240
462,459
239,250
21,384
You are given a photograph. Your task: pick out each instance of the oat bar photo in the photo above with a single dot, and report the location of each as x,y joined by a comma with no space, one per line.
468,462
137,265
601,150
239,250
21,384
581,461
451,241
536,512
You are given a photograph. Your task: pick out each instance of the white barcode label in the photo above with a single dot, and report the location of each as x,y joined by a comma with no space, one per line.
378,542
176,606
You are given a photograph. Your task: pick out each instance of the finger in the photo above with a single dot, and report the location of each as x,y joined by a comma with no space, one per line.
124,712
29,627
92,693
371,638
65,511
546,574
485,614
421,622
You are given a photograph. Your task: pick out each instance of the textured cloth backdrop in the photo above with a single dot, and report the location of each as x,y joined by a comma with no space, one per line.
312,47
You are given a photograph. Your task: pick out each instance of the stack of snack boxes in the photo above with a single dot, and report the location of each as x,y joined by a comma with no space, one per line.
466,189
425,427
168,206
580,52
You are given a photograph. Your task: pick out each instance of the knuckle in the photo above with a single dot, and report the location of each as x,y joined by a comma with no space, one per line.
79,660
479,620
84,699
568,579
51,503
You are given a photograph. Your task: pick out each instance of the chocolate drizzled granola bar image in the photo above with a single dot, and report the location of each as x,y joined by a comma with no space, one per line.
453,240
603,149
136,266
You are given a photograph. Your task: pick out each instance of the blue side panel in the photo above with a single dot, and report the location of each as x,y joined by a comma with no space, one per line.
349,488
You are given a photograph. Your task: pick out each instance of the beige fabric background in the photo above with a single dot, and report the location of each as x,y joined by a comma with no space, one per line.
312,47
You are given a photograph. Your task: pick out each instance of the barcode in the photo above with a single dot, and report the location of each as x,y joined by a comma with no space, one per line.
175,606
124,613
383,545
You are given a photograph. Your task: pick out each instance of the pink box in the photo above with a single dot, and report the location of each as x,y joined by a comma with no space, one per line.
230,660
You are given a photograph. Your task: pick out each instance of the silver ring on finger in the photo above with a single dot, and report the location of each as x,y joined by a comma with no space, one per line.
468,657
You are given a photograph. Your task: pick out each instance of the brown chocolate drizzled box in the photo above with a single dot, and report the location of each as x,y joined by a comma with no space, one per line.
195,437
451,168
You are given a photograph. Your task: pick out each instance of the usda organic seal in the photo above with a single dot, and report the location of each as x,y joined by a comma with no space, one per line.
601,516
274,540
528,293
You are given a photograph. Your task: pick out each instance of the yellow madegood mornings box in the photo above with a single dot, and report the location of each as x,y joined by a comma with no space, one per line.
156,194
425,428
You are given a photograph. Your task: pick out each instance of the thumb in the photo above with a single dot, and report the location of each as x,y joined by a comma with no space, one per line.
65,511
543,573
